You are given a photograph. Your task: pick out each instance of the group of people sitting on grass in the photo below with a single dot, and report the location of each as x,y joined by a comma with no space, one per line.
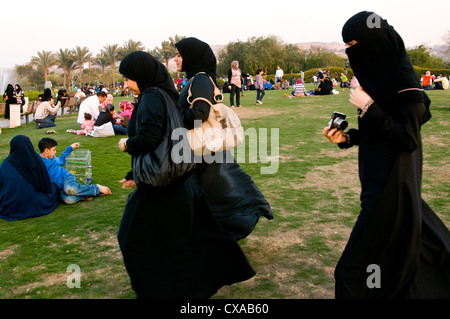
33,183
95,113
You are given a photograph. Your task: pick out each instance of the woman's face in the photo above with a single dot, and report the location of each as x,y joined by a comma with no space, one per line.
179,61
132,85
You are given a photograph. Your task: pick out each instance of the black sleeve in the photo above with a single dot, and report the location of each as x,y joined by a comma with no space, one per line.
151,125
403,131
353,139
201,86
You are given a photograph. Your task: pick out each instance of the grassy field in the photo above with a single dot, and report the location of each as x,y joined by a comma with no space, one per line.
314,194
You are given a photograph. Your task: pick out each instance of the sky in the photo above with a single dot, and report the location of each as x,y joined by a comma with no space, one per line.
28,27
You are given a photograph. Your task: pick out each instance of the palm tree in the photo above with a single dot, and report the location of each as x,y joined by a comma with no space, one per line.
165,53
65,59
174,40
101,61
111,53
81,56
130,46
44,60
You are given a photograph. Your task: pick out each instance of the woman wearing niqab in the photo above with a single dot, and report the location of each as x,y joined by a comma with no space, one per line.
236,202
398,247
25,187
9,98
171,246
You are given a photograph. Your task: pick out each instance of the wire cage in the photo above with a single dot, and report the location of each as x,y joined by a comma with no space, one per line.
79,164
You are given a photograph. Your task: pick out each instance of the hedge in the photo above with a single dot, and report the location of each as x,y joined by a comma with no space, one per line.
308,75
421,71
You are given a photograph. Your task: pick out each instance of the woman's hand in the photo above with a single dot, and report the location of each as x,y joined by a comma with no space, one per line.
334,135
126,183
123,144
359,98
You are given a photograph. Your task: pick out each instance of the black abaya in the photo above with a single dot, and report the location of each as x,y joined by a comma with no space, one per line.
25,187
395,230
236,202
172,247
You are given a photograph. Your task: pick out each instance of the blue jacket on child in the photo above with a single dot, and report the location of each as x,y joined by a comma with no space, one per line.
57,173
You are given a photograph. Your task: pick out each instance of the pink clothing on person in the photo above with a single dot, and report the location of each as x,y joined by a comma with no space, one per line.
109,100
127,109
126,113
86,127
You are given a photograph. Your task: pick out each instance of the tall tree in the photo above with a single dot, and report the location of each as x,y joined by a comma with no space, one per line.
165,53
111,53
421,56
65,59
103,62
130,46
173,40
81,56
44,60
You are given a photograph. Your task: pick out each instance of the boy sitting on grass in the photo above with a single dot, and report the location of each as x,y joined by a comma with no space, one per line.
71,191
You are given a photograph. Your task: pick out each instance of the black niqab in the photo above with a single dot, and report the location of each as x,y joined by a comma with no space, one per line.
197,57
29,164
148,72
380,62
396,230
9,91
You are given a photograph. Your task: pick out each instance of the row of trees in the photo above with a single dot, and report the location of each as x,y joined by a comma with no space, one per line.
74,59
256,52
269,52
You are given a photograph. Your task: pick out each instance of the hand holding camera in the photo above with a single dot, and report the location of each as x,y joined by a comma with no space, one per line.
335,129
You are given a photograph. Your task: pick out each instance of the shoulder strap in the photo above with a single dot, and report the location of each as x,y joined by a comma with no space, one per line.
218,97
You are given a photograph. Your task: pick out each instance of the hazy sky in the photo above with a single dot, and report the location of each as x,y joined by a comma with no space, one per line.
28,27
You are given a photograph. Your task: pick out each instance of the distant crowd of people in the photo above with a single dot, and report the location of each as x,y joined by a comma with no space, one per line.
431,82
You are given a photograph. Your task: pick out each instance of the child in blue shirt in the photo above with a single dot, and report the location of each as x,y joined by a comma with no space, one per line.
71,191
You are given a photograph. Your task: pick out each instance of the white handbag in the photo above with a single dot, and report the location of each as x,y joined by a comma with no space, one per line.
221,131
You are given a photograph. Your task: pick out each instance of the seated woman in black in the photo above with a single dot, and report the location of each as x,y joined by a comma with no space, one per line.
106,115
25,187
62,97
325,87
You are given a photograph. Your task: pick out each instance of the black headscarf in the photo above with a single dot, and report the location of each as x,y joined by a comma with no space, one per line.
9,91
47,95
380,62
148,72
29,164
197,57
108,108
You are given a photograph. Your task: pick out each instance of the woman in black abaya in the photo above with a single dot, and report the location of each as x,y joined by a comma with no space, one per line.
9,98
171,246
396,231
236,202
25,187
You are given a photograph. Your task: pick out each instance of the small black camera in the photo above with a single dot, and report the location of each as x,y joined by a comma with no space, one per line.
338,121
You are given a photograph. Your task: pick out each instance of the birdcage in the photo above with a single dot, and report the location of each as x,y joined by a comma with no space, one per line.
79,164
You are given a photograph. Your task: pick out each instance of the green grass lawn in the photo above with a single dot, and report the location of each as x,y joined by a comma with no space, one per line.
314,194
